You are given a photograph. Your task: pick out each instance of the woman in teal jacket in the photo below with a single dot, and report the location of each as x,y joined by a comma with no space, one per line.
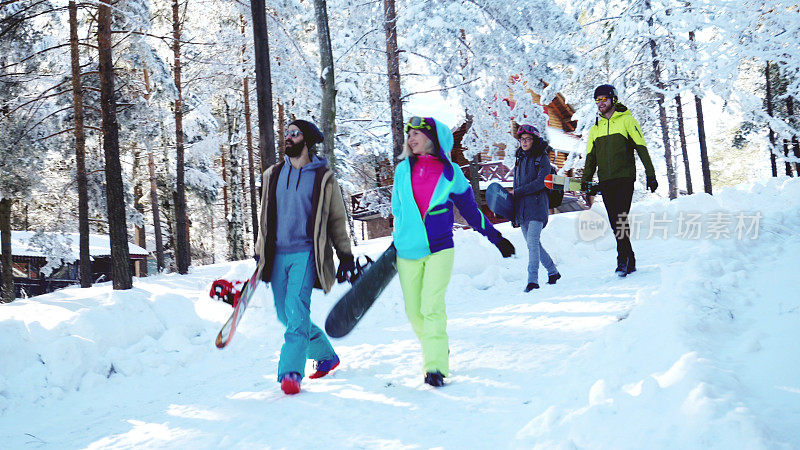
427,185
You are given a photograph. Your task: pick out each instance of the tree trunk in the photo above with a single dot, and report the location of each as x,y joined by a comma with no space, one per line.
393,63
156,216
328,113
117,226
167,205
684,150
786,153
7,266
224,163
182,255
662,114
795,143
772,158
154,188
213,245
139,237
281,130
250,161
235,239
701,136
266,119
245,225
85,263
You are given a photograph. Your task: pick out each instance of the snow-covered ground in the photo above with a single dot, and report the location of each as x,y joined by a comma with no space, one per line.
697,349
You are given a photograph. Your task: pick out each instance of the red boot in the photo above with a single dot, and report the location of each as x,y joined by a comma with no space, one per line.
290,383
323,367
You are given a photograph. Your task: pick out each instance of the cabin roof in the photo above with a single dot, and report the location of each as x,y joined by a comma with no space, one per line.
562,141
99,245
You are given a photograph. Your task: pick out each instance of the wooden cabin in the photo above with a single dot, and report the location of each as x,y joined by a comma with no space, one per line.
28,261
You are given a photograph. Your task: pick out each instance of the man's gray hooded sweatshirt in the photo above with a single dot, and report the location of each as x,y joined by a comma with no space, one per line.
293,195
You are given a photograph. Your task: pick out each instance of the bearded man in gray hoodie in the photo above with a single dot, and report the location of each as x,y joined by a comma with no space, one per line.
302,220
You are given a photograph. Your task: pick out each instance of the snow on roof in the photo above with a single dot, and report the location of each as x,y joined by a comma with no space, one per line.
561,141
99,245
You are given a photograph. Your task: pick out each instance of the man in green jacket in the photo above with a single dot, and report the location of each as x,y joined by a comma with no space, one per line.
612,141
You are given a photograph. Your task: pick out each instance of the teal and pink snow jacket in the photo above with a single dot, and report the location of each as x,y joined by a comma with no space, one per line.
416,236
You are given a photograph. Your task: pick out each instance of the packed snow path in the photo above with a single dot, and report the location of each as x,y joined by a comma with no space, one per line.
696,349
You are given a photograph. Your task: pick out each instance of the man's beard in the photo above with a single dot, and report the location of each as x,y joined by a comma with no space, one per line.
294,149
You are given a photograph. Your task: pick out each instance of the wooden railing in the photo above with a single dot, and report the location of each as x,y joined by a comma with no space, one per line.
496,171
372,203
492,171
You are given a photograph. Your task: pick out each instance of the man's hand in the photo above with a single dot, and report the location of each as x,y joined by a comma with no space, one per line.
590,188
346,269
652,184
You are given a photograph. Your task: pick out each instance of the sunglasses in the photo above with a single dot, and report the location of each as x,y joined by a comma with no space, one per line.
418,123
601,99
527,129
293,133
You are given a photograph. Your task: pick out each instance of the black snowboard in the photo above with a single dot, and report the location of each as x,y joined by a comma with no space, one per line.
346,313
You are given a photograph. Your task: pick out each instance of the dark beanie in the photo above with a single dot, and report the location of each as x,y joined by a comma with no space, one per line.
607,90
311,133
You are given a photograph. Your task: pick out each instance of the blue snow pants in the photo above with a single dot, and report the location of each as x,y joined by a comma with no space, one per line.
532,231
293,277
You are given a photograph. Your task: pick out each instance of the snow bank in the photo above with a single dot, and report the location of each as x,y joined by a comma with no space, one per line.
694,350
705,361
75,338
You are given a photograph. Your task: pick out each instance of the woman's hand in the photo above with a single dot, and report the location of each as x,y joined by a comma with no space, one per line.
506,247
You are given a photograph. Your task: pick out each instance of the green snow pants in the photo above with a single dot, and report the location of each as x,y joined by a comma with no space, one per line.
424,282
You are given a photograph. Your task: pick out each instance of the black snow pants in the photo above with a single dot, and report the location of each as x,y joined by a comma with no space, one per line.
617,196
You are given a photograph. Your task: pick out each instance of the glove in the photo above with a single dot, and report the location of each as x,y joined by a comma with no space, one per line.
346,269
652,184
590,188
505,247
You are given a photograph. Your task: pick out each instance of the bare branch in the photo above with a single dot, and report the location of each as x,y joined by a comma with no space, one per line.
67,131
441,89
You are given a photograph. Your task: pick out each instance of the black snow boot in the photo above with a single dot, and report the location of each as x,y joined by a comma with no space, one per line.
622,267
551,279
531,286
435,379
631,264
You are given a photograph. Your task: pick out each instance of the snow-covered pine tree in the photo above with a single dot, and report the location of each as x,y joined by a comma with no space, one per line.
24,114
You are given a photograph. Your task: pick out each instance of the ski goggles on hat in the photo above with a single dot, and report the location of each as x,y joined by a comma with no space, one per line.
418,123
527,129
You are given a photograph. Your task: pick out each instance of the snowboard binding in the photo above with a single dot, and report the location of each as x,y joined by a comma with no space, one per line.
227,291
360,268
